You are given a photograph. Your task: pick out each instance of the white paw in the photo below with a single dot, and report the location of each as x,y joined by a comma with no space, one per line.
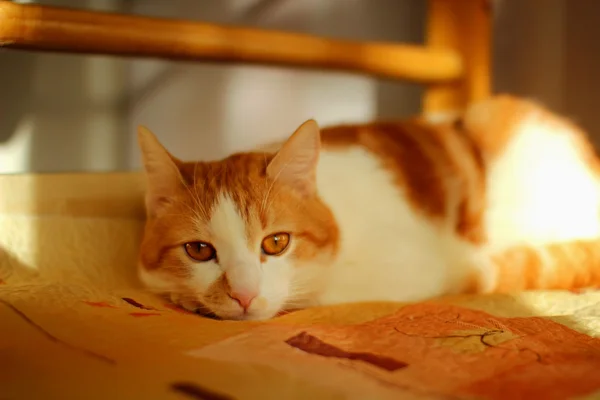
178,299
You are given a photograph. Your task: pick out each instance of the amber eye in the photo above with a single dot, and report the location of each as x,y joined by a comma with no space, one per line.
200,251
275,244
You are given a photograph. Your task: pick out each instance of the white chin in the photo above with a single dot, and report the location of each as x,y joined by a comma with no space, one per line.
250,316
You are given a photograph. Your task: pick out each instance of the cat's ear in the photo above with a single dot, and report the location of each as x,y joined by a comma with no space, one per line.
295,165
163,176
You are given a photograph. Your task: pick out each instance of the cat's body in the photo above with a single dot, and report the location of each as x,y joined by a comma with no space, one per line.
505,198
390,247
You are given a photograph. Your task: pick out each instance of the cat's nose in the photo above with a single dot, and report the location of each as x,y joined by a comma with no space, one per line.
243,298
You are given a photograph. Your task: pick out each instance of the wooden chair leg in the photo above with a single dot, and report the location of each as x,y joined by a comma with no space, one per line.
464,26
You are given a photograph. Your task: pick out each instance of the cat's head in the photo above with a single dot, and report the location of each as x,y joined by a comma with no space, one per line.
243,238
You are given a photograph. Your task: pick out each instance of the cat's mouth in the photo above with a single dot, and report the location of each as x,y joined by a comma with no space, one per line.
203,310
207,314
194,307
211,315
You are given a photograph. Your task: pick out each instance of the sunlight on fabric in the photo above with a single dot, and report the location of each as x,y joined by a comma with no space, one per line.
14,153
18,246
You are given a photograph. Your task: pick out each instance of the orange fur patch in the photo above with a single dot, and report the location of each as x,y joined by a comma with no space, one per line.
558,266
437,166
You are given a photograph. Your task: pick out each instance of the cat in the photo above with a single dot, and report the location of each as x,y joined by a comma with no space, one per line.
503,198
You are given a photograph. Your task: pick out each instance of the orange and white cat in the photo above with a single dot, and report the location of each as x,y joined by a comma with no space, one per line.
504,198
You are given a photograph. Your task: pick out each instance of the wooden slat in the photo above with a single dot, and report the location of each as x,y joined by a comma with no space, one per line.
464,26
107,195
40,28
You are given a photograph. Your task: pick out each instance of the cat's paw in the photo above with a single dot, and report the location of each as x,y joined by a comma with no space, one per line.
180,301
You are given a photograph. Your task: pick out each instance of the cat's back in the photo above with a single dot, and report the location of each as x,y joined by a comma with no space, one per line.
393,190
434,170
541,173
422,203
411,154
506,170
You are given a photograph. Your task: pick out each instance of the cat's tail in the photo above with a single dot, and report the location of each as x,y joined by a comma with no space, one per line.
570,265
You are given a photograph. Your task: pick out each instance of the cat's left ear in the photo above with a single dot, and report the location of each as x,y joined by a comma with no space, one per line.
295,165
164,179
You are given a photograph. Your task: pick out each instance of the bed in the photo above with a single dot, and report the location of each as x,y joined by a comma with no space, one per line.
75,323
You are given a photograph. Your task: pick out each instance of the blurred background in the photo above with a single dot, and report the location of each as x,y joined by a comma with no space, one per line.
79,113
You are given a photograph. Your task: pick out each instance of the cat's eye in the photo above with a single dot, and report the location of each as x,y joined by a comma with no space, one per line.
275,244
200,251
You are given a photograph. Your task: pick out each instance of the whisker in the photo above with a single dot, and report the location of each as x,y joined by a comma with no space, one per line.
195,195
275,180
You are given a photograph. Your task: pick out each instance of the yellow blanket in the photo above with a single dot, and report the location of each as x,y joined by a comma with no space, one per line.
75,325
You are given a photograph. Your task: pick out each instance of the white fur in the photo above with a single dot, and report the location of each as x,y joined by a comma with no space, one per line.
437,117
240,260
236,258
159,282
388,251
539,191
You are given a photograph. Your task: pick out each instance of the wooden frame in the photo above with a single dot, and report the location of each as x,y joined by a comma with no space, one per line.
454,63
464,26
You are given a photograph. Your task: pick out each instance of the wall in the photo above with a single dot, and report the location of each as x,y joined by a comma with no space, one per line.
582,55
529,49
207,111
61,112
548,50
74,113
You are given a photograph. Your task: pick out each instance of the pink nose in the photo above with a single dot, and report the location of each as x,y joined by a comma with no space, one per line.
244,299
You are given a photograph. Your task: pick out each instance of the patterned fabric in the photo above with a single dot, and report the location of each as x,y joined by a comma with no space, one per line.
73,324
58,344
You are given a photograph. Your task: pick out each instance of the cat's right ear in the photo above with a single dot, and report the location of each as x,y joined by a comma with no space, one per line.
296,162
163,176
